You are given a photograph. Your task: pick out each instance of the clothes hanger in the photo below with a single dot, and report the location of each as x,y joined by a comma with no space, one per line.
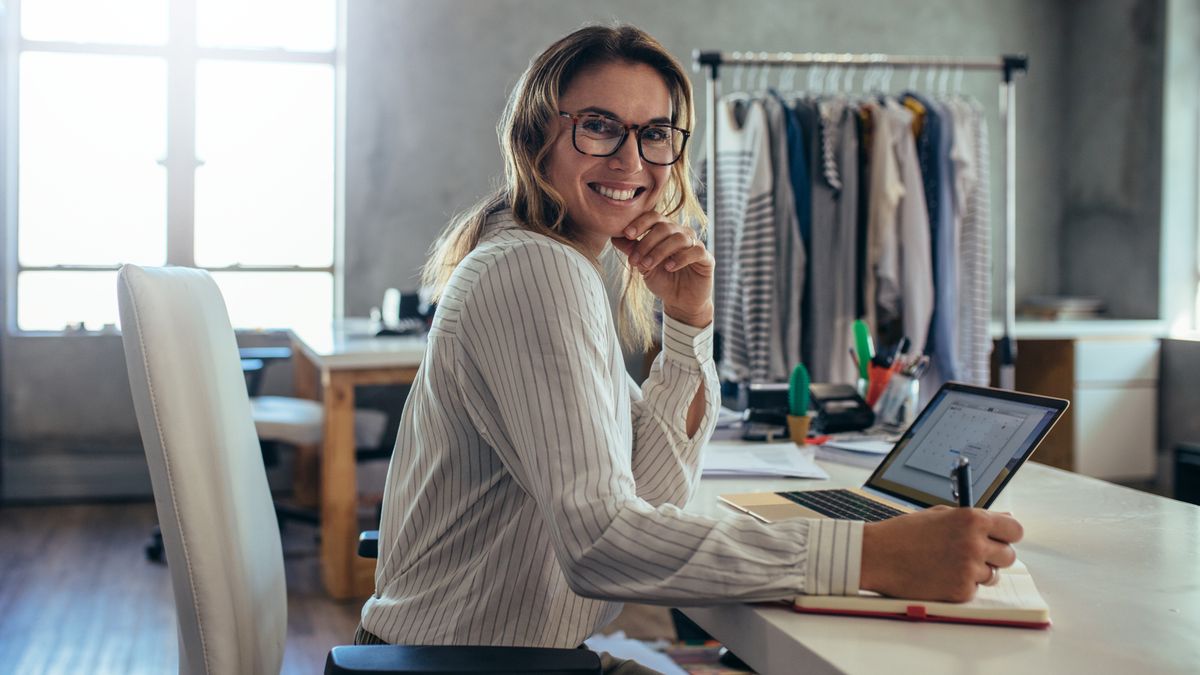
831,79
815,80
787,81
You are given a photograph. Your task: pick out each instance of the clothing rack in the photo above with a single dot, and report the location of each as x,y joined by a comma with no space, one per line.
1008,65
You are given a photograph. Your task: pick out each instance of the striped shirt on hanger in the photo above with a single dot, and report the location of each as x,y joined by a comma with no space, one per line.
744,240
534,484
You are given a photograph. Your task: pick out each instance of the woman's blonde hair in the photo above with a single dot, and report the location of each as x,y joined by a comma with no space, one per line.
526,132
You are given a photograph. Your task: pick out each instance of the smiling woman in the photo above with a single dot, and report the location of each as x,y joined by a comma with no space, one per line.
527,459
534,486
614,104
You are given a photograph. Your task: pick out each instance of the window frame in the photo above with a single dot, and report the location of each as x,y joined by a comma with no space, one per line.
181,55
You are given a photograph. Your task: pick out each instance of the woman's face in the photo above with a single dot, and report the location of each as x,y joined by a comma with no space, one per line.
631,93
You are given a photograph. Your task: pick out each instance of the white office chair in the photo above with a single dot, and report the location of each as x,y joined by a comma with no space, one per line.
214,506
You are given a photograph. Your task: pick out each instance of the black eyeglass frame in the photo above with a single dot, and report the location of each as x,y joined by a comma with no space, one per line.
637,128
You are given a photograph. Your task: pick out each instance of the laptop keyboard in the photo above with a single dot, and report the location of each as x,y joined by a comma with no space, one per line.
842,504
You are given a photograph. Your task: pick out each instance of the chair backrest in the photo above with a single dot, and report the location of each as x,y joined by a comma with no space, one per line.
210,487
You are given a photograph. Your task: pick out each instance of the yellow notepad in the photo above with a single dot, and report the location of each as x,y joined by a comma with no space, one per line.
1014,601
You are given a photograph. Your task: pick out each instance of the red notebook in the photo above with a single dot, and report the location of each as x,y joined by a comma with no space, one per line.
1014,601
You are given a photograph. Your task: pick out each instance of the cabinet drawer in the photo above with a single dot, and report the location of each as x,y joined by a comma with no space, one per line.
1115,432
1116,361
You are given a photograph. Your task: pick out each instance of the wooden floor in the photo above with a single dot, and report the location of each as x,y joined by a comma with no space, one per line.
78,596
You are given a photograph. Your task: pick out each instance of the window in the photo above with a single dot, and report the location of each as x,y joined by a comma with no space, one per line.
184,132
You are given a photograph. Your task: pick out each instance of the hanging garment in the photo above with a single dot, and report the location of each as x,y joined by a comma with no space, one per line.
831,263
881,281
808,119
824,278
905,267
971,181
791,260
846,248
863,123
798,162
744,239
834,280
933,153
798,165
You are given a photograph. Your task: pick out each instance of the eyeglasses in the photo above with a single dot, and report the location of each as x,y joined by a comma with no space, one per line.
601,136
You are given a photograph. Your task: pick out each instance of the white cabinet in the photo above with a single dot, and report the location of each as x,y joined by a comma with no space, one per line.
1116,407
1111,429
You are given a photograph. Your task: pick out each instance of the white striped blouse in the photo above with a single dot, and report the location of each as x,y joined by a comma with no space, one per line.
534,485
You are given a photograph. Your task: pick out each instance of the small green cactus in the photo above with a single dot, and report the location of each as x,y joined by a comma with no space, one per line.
798,391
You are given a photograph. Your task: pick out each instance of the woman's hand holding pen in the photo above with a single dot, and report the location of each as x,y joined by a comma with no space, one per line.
675,264
937,554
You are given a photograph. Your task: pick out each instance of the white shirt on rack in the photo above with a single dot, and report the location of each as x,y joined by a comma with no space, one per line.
534,485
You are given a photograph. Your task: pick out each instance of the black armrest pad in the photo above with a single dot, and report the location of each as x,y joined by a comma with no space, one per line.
368,544
439,660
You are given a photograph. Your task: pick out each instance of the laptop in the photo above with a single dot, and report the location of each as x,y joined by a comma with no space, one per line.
996,430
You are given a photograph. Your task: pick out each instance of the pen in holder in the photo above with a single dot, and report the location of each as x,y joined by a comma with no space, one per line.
897,406
877,382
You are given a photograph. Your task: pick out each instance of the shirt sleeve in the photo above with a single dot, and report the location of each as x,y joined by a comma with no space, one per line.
547,401
666,462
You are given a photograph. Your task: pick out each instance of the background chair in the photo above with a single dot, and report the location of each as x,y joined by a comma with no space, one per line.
214,505
297,423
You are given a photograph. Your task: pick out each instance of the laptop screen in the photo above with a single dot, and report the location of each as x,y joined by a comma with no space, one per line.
997,430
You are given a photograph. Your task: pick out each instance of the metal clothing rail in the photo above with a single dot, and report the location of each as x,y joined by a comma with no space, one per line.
1008,65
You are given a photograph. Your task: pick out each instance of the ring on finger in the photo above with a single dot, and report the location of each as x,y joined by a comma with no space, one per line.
994,578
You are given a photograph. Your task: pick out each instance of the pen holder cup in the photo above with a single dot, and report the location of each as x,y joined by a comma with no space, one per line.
798,428
860,386
897,407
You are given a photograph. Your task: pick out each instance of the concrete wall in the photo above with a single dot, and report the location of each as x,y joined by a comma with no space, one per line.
426,83
1113,154
1178,271
425,91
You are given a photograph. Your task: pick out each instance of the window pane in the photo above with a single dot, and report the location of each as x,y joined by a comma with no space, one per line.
277,299
91,131
137,22
265,132
53,300
299,25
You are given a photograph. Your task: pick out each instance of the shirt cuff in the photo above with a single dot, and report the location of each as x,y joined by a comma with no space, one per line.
687,344
834,557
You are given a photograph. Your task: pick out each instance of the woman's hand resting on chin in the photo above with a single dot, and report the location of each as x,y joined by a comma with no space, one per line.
675,264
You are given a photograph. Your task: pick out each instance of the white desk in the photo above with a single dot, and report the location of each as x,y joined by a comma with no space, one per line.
1119,568
329,363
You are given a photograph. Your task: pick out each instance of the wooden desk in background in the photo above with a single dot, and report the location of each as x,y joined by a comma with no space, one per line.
328,365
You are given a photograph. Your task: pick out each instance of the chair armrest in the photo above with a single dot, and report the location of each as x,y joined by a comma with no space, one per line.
368,544
446,660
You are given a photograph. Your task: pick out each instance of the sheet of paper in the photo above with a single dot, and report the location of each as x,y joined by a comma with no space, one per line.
737,458
868,447
866,460
624,648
